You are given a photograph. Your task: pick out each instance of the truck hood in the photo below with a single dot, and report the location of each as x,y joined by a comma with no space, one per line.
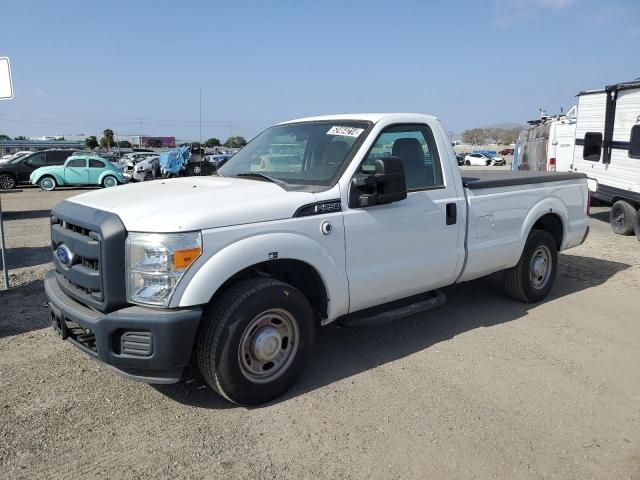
195,203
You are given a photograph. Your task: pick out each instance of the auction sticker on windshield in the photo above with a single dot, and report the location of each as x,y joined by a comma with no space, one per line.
345,131
6,89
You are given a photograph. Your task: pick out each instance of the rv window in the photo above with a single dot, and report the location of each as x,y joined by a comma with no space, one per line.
634,142
592,146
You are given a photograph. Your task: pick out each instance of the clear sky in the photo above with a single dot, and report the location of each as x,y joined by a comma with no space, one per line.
138,66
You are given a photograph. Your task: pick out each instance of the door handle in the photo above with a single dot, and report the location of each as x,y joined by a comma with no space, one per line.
452,213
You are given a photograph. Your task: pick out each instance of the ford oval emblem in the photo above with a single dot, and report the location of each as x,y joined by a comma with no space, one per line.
65,256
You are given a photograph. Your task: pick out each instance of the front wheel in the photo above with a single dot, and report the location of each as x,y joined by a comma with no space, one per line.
636,225
467,163
621,217
255,340
7,182
109,181
532,278
47,183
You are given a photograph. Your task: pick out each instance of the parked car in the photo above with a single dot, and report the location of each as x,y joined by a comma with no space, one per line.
13,156
506,151
244,287
477,159
78,170
19,169
218,160
147,169
498,161
460,158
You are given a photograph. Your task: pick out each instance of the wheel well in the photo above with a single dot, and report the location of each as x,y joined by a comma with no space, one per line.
297,273
552,224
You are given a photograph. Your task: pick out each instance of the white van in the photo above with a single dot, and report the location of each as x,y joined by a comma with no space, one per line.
547,145
608,150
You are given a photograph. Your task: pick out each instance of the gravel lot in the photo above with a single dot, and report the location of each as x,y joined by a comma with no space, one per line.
481,388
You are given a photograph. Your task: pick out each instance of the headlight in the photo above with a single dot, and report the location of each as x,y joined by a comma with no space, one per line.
156,262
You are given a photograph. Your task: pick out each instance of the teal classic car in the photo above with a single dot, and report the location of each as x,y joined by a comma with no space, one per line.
78,170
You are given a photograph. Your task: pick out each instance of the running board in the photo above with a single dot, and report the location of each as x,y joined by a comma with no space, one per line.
391,311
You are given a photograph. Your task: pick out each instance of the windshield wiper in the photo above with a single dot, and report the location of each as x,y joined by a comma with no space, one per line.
260,176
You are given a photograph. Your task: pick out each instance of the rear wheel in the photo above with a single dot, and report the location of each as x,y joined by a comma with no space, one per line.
532,278
109,181
467,163
255,340
47,183
636,226
622,217
7,182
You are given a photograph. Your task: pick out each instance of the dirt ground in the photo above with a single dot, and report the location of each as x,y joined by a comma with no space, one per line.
483,387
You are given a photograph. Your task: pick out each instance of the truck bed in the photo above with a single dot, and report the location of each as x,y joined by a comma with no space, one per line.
475,179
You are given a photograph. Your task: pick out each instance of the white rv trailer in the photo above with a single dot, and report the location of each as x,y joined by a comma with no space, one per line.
608,150
547,144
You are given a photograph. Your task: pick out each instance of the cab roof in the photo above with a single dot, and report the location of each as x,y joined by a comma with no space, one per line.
368,117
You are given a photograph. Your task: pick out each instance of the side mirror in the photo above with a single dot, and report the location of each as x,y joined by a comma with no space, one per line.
386,185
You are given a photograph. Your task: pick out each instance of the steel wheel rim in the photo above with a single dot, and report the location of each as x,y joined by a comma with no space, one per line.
540,267
268,346
47,183
110,182
6,182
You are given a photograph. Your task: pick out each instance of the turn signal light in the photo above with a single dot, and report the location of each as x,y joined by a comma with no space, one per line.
184,258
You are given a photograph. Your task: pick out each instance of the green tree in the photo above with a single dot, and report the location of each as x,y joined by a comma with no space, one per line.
7,137
107,140
235,142
91,142
20,137
212,142
124,144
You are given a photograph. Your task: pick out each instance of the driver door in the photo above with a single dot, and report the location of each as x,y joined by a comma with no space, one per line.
76,172
30,164
408,247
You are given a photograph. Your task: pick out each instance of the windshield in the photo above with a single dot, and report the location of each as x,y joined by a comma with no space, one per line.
310,153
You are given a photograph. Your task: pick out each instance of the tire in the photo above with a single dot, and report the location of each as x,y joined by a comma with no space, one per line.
231,328
109,181
467,163
530,280
148,176
636,225
47,183
7,182
621,217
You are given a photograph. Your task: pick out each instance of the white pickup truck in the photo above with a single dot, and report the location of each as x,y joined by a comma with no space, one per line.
355,218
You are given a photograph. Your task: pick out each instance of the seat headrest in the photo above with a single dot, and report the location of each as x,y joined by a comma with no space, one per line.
409,150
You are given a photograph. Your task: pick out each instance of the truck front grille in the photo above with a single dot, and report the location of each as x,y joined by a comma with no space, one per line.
82,272
88,255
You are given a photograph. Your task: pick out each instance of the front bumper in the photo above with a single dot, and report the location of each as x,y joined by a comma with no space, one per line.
167,335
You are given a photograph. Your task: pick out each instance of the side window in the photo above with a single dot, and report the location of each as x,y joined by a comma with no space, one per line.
77,162
634,142
592,146
93,163
416,146
37,160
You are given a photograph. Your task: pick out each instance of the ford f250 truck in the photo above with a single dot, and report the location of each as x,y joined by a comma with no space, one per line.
352,218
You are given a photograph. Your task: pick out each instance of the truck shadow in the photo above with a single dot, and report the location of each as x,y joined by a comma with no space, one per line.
341,353
22,309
